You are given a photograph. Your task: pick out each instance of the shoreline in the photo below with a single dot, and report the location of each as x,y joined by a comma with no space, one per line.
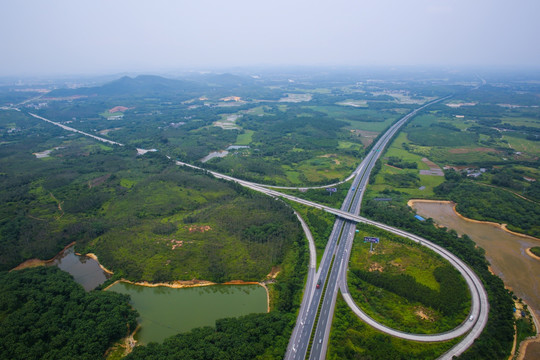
530,253
182,284
94,257
521,349
177,284
38,262
411,202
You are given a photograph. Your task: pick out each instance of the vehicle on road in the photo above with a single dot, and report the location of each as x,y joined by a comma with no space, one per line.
319,284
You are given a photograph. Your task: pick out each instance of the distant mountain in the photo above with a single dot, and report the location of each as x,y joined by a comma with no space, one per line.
142,85
224,80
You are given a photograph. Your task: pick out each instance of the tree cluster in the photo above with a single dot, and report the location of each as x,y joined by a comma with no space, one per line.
449,300
44,314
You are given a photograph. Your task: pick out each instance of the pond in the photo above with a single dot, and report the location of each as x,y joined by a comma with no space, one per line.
85,270
166,311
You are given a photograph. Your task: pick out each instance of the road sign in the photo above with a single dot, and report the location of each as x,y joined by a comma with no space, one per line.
331,189
368,239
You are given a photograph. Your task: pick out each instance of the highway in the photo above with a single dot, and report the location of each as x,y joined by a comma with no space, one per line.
316,312
77,131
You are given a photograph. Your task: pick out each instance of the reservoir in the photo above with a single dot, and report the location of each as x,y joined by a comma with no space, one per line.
166,311
505,251
86,271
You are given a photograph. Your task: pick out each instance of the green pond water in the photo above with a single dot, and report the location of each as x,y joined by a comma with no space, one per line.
167,311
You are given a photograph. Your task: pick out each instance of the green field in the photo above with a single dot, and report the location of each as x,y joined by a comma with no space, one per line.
406,181
360,118
401,260
107,114
530,149
244,138
521,120
351,338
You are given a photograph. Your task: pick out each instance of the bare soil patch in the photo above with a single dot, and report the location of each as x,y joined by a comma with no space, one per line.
202,228
118,109
430,163
98,181
466,151
424,314
376,267
38,262
274,272
106,131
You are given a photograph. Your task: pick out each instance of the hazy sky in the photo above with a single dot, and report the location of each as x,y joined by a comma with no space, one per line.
95,36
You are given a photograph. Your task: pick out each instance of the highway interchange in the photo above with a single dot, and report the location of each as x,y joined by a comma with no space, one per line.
310,336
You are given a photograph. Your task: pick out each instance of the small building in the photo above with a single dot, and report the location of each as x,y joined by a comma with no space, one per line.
419,218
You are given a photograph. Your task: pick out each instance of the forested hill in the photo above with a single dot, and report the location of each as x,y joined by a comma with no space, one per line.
44,314
141,85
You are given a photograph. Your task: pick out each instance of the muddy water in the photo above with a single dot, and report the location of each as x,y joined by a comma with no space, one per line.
86,271
505,251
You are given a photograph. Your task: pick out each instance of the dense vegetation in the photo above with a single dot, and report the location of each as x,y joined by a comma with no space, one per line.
286,139
435,136
125,208
401,163
255,336
536,250
351,338
487,203
44,314
449,300
192,226
132,211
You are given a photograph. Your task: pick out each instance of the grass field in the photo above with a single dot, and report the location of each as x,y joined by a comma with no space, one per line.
245,138
523,145
521,121
397,256
320,169
360,118
370,126
351,338
396,149
107,114
432,117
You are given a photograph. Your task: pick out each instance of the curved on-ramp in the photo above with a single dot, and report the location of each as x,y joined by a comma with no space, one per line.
478,315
